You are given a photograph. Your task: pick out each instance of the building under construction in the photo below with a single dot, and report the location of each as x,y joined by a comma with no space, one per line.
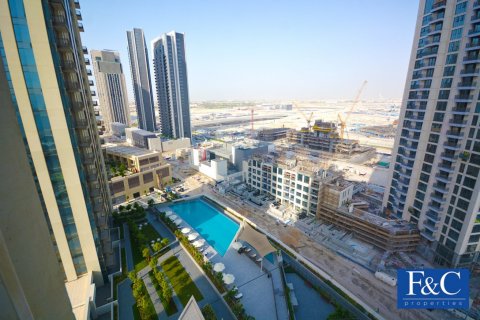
389,235
323,136
272,134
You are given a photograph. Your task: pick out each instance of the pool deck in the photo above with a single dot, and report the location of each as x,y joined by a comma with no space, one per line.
255,284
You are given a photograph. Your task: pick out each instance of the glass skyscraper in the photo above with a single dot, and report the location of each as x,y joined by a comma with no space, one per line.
172,85
436,159
44,62
142,84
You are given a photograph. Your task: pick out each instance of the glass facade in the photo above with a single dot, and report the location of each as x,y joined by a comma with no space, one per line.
42,122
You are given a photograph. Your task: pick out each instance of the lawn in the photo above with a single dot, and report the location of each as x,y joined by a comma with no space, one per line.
181,281
150,233
170,308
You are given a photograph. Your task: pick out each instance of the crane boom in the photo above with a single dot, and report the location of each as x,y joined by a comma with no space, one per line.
343,121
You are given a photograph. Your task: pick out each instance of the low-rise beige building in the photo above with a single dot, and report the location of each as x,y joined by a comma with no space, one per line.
136,172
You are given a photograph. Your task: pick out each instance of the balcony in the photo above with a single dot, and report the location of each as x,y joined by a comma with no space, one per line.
471,59
87,61
472,46
451,145
94,93
80,27
438,198
470,72
68,65
442,178
72,86
428,236
448,156
440,188
457,123
88,158
461,111
77,105
475,18
430,227
78,13
455,134
77,4
464,85
80,123
446,168
59,21
474,32
90,83
64,44
85,49
83,143
439,5
463,98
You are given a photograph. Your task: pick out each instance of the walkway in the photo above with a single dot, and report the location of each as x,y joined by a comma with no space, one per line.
125,300
128,247
160,227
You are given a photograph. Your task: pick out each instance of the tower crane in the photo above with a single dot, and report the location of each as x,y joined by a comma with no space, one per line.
308,119
343,121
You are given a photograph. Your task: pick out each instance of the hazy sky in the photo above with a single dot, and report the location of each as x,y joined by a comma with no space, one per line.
270,49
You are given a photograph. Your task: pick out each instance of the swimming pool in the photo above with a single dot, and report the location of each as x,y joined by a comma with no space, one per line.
209,222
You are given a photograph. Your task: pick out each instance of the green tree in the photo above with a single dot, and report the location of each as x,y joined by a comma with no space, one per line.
151,202
132,276
209,313
129,206
146,254
157,246
165,242
237,309
166,291
153,264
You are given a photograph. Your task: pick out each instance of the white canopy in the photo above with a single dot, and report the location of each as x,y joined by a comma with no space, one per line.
192,236
257,240
228,278
218,267
186,230
199,243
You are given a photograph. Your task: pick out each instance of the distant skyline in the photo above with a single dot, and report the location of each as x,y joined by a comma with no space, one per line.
270,50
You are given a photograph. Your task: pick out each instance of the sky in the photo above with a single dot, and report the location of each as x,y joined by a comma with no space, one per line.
269,49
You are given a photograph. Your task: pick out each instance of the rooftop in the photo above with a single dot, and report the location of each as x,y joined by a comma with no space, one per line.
142,132
127,151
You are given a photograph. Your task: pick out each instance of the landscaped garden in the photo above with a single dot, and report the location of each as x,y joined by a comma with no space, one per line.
215,277
163,288
181,281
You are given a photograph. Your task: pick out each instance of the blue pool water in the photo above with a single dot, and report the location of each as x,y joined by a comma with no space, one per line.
210,223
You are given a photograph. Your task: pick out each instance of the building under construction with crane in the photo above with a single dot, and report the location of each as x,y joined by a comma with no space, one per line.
327,136
323,136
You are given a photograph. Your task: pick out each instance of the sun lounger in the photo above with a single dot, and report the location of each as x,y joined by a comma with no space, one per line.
259,260
253,255
238,295
248,250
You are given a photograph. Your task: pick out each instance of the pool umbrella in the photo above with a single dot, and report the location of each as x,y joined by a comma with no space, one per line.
192,236
173,217
186,230
178,221
218,267
228,278
236,245
199,243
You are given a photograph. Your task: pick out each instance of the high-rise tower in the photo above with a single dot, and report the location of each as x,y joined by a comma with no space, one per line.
112,91
172,85
44,61
142,84
436,158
